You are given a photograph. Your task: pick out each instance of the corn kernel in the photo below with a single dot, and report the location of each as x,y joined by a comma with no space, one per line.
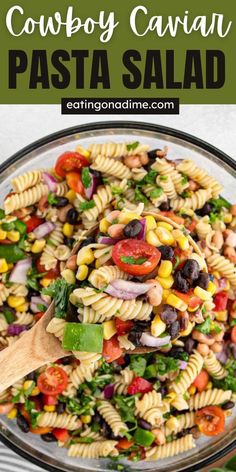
126,216
97,264
176,302
104,225
150,223
109,329
13,236
82,272
68,229
188,330
199,259
69,276
35,392
183,242
211,288
3,234
165,268
216,274
38,246
227,285
85,256
27,384
81,150
192,390
228,218
22,308
3,266
12,414
157,326
45,282
165,282
14,301
209,386
192,309
165,293
172,423
163,224
152,238
49,408
221,315
165,236
204,295
170,396
86,419
71,196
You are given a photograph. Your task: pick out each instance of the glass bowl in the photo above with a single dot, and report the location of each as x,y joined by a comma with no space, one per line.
43,153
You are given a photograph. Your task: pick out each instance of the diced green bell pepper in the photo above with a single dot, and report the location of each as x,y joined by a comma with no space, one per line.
143,437
150,372
8,315
2,214
11,253
20,226
83,337
8,226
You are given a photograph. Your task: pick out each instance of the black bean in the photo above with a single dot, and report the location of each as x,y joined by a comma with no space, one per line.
163,391
174,329
181,283
87,241
203,280
69,241
189,345
134,337
66,360
48,437
32,293
167,252
191,270
144,424
141,326
95,173
97,418
61,202
22,424
168,314
227,405
132,229
205,210
31,376
165,206
60,408
105,429
176,351
127,359
153,153
72,216
118,368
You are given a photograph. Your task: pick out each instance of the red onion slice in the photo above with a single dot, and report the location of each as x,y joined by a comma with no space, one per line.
182,364
119,293
149,340
127,290
15,330
106,240
35,301
142,233
20,270
44,229
89,191
50,181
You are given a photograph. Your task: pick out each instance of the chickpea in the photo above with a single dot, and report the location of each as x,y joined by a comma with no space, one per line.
231,239
230,253
71,263
218,239
160,437
203,349
203,338
113,215
154,294
63,212
43,203
217,347
193,185
163,152
133,162
219,336
144,159
233,210
206,251
116,231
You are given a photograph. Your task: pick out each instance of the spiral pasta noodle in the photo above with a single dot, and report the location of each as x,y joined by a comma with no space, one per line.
151,408
104,275
87,357
4,293
223,266
116,149
125,343
203,229
26,180
56,238
88,315
187,376
149,190
81,373
112,167
94,450
112,417
101,199
55,420
200,176
3,323
25,199
62,189
56,326
195,202
18,289
23,318
89,433
123,381
213,396
171,448
214,367
166,168
166,183
185,421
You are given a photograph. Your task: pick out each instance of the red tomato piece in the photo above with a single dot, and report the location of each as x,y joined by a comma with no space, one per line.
5,241
61,434
6,408
135,257
191,226
201,380
139,385
38,315
74,181
189,298
120,361
220,300
111,349
32,223
69,161
50,400
53,381
170,214
210,420
124,444
233,334
123,327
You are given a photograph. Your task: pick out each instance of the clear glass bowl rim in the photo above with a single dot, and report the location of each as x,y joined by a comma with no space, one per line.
102,126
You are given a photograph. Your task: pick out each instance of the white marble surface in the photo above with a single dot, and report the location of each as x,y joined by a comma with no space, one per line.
22,124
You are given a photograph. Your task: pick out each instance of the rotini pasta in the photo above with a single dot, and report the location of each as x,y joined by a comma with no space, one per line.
187,376
101,199
214,367
184,421
165,168
25,181
224,266
25,199
200,176
112,417
112,167
213,396
54,420
116,149
195,202
93,451
171,448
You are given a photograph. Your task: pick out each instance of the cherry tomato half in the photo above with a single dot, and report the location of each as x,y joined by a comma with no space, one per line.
61,434
74,181
189,298
111,349
139,385
70,161
123,327
53,381
210,420
201,380
220,300
32,223
135,257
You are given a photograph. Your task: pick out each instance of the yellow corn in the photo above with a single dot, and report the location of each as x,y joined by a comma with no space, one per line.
109,329
188,330
172,423
211,288
165,293
82,272
170,397
221,315
152,238
82,151
38,246
27,384
3,266
127,216
13,236
216,274
163,224
71,195
204,295
14,301
192,390
165,236
69,276
209,386
176,302
3,234
23,307
85,256
45,282
227,286
35,392
12,414
195,308
165,269
104,225
150,223
68,229
157,326
228,218
183,242
165,282
97,264
199,259
86,419
49,408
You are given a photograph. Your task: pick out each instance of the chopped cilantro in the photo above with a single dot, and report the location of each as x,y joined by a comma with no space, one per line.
60,291
161,366
52,199
132,146
204,327
138,364
184,179
86,177
164,178
149,178
219,203
116,190
139,197
156,192
132,260
41,307
185,194
126,406
87,205
2,214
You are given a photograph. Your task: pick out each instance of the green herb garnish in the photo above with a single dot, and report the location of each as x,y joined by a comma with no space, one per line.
60,291
132,260
139,197
116,190
132,146
52,199
138,364
157,192
86,177
86,205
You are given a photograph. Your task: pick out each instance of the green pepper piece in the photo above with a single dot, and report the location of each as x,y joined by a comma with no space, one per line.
150,372
20,226
2,214
8,315
8,226
143,437
11,253
83,337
